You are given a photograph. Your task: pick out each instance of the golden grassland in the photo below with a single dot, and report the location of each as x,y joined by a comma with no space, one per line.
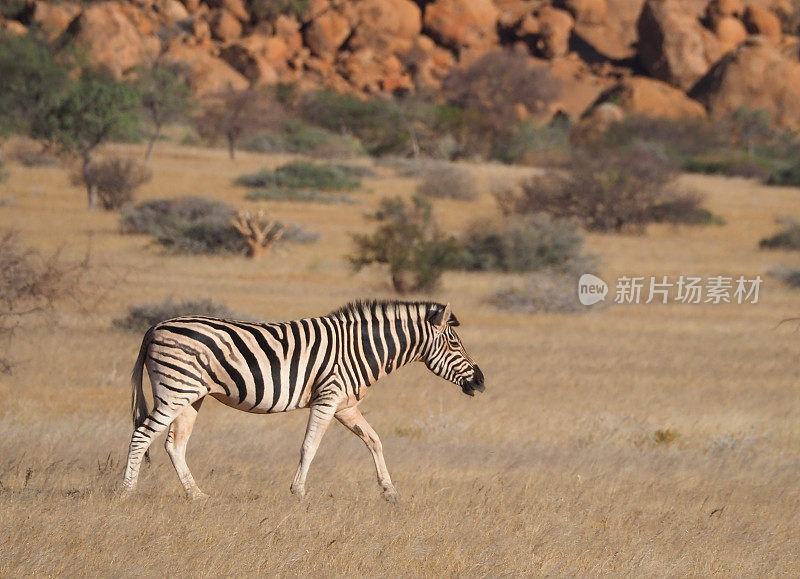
637,440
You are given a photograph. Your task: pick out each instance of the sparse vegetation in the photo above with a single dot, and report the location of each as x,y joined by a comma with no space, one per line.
787,238
787,175
544,292
790,275
445,181
607,191
301,195
407,240
271,9
114,179
144,316
302,174
296,136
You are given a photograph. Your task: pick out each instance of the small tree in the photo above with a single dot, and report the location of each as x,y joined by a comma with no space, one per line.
115,180
166,98
95,109
409,241
32,81
234,114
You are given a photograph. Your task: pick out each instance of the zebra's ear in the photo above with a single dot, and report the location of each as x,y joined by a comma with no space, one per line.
441,317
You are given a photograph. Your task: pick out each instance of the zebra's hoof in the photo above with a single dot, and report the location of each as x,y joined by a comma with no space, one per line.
198,496
298,490
391,496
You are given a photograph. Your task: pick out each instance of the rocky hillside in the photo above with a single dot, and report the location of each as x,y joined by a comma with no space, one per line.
656,57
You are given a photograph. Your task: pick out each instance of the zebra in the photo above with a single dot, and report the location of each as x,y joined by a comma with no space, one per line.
324,363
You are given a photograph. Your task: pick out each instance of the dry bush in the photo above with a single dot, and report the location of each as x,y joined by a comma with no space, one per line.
300,174
543,292
31,153
299,137
298,195
523,243
786,238
443,181
606,190
195,225
144,316
29,283
790,275
115,179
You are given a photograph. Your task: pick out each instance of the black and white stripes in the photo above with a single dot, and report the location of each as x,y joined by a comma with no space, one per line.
326,363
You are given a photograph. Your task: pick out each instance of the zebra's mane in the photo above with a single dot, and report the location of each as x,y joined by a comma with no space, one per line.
358,308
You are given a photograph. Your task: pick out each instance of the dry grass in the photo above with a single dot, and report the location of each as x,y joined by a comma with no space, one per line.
649,440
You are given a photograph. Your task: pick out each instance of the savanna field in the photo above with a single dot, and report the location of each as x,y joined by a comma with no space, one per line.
626,440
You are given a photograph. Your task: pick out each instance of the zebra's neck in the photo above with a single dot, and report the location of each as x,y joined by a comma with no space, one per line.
378,338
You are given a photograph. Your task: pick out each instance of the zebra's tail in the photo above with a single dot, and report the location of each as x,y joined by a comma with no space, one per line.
139,410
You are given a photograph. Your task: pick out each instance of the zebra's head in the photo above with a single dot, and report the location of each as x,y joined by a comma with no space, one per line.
447,356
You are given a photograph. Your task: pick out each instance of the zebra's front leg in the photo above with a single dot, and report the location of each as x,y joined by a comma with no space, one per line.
318,421
355,421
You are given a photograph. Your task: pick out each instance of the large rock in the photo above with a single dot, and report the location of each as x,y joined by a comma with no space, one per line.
54,19
730,32
759,20
206,73
595,123
555,27
110,38
755,76
462,23
652,98
721,8
387,26
225,26
256,58
673,46
592,12
326,34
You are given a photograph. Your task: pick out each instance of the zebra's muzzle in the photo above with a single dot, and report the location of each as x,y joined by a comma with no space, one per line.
475,383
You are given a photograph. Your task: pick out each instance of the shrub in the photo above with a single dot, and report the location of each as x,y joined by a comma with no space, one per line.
378,123
685,208
787,175
31,154
788,275
194,225
298,137
409,241
786,238
302,195
731,166
30,282
542,292
523,243
115,180
142,317
443,181
300,174
605,190
271,9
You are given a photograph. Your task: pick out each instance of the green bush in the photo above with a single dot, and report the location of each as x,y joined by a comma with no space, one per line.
443,181
523,243
378,123
786,238
409,241
787,175
271,9
303,138
302,195
684,208
142,317
302,174
194,225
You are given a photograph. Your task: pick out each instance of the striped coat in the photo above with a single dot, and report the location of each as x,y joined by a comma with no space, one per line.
326,363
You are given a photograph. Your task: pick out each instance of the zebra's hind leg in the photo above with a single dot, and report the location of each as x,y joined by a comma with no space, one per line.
178,436
358,425
143,435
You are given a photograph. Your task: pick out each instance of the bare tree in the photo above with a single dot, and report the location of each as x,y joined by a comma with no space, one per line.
258,231
166,97
234,114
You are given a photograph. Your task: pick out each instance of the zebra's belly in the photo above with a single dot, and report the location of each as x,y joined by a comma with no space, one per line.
265,407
